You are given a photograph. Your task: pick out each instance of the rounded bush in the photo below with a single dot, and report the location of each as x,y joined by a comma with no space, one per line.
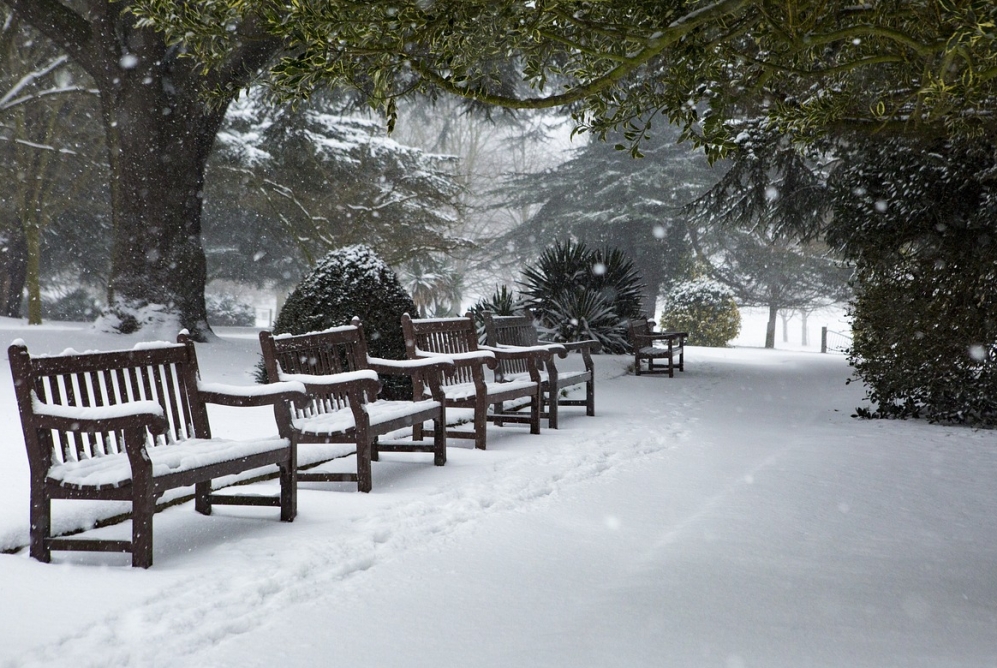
704,308
347,282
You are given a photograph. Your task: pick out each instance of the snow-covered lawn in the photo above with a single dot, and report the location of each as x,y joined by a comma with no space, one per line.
735,515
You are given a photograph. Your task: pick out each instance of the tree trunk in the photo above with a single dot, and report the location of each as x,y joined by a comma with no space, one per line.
804,338
786,315
770,327
13,268
159,134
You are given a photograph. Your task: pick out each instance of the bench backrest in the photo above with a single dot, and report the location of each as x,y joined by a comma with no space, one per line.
331,351
511,330
447,336
162,372
639,327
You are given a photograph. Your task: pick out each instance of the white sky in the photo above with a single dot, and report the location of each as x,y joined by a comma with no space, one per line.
735,515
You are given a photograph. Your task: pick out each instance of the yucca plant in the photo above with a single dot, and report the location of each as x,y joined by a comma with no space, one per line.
579,293
504,301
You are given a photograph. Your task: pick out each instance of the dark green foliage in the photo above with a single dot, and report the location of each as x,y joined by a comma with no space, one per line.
604,198
502,302
76,306
348,282
578,293
227,312
919,221
704,308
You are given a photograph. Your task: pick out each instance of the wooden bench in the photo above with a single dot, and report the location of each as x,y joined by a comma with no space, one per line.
342,383
519,331
130,425
456,339
642,339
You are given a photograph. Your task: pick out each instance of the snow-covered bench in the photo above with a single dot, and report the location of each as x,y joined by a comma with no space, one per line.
343,415
518,332
642,339
130,425
457,340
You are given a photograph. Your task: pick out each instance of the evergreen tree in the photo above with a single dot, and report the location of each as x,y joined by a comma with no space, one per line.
603,197
290,184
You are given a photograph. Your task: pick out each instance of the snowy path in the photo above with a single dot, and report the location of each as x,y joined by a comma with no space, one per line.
732,516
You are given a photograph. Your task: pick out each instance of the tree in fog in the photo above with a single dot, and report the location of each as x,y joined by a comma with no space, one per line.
47,125
159,130
289,185
605,198
489,146
757,230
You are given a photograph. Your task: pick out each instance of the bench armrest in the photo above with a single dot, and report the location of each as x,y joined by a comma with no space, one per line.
591,345
486,357
92,419
365,379
542,353
250,395
412,367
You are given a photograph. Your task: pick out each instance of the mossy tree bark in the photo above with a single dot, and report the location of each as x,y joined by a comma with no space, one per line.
159,132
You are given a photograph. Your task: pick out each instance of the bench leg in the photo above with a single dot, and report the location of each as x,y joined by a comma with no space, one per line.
202,497
440,439
289,489
143,508
480,422
590,397
364,476
497,414
682,361
535,412
636,365
552,399
41,524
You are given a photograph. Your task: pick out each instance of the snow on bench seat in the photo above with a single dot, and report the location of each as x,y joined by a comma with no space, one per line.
115,470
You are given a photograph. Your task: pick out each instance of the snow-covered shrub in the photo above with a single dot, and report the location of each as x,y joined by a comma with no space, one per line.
75,306
226,311
578,293
704,308
919,218
353,281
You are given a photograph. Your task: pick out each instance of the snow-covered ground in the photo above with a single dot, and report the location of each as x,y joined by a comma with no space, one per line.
735,515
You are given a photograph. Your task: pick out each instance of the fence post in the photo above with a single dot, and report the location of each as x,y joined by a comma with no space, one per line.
823,339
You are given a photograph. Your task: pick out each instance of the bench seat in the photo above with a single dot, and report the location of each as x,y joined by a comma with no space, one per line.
115,470
379,412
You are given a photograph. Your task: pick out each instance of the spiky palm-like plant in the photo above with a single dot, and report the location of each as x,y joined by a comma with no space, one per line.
504,301
571,286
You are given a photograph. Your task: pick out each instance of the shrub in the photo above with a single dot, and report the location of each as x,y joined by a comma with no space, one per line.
502,302
348,282
578,293
225,311
75,306
704,308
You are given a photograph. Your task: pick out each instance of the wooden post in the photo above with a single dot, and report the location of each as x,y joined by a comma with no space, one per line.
823,339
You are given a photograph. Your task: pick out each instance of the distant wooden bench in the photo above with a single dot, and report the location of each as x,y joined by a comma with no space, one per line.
520,331
130,425
642,339
456,339
342,383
